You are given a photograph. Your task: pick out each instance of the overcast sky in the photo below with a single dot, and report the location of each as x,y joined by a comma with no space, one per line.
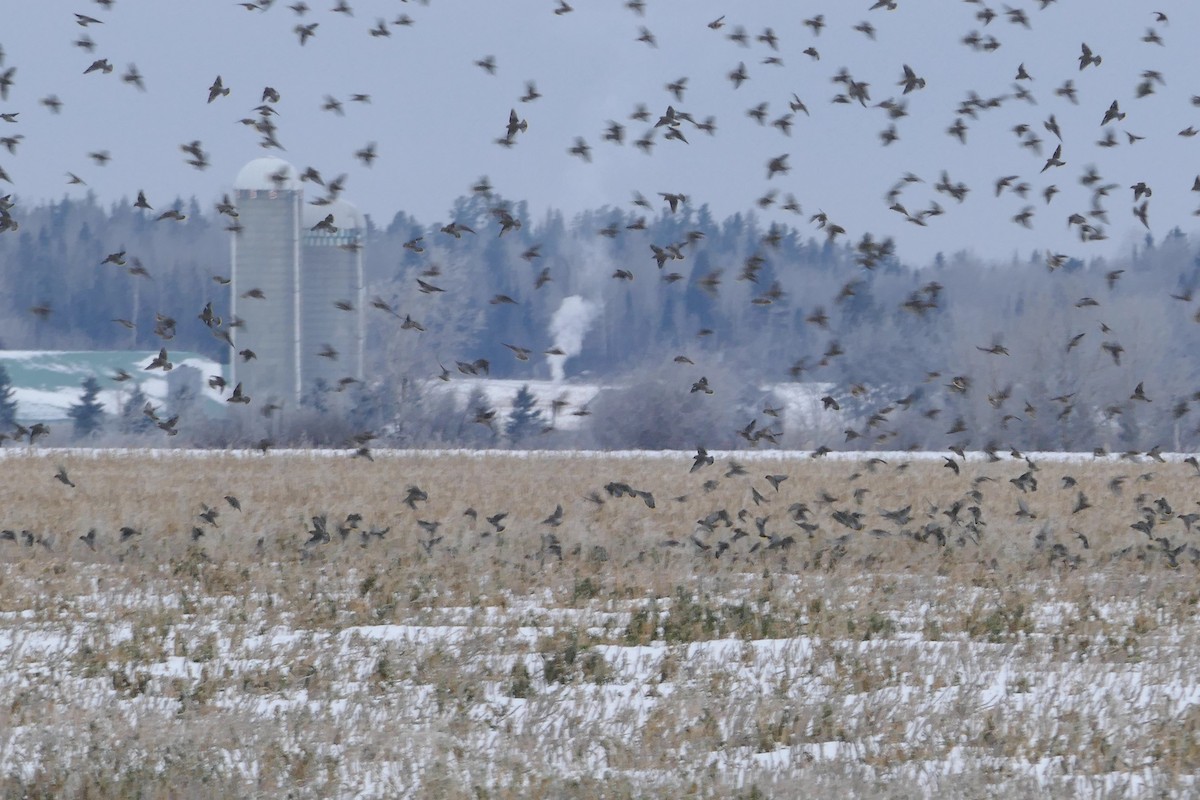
435,115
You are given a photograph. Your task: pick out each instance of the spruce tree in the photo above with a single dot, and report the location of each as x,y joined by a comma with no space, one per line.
88,414
525,419
133,417
478,424
8,401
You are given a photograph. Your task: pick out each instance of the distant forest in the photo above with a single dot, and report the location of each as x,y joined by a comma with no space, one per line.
1043,352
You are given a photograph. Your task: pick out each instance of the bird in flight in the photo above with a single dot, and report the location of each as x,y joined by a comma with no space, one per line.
217,89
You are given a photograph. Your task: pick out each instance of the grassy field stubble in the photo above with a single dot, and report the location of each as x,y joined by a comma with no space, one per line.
616,654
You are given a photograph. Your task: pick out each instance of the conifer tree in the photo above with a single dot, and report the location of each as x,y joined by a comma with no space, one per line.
8,401
525,419
133,416
88,414
478,424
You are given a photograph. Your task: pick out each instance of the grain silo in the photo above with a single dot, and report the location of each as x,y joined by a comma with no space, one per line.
266,280
331,305
298,291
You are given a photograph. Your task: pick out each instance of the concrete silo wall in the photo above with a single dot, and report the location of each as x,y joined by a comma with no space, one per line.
266,256
331,273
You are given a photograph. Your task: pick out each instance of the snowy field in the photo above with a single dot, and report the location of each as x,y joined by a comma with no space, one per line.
773,455
611,655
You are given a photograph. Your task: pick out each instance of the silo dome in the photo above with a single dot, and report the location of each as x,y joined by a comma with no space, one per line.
264,174
345,215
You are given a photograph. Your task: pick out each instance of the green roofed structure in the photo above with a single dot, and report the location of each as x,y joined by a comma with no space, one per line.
46,383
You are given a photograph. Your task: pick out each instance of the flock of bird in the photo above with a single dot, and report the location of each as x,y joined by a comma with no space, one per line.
750,516
666,122
675,124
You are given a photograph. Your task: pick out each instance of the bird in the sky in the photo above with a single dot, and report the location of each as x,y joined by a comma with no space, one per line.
911,81
1087,57
306,32
515,125
133,77
1113,113
217,89
777,166
367,154
531,92
99,65
580,148
738,76
1054,160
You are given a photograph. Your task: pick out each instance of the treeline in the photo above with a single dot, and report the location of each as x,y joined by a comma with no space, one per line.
1046,351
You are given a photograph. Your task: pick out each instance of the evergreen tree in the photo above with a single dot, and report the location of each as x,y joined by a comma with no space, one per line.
88,414
8,401
133,418
478,426
525,419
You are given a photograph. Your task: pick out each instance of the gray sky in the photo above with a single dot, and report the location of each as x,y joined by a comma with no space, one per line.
435,115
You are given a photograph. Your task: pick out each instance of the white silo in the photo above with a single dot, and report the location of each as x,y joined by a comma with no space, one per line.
266,275
331,305
297,287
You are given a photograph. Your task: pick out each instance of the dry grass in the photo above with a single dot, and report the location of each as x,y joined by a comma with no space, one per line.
637,664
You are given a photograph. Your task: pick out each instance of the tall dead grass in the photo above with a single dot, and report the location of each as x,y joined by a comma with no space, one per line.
162,498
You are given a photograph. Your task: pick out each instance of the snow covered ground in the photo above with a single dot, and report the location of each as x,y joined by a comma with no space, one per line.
527,696
456,662
772,455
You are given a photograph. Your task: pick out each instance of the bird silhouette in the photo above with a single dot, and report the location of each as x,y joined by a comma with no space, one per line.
161,361
217,89
325,225
1087,57
306,32
556,517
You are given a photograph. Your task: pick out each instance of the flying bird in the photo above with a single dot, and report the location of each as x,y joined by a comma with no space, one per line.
62,477
306,32
911,81
218,89
1114,113
325,225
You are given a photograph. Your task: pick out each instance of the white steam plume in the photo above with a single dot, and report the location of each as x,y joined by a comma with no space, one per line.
568,326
